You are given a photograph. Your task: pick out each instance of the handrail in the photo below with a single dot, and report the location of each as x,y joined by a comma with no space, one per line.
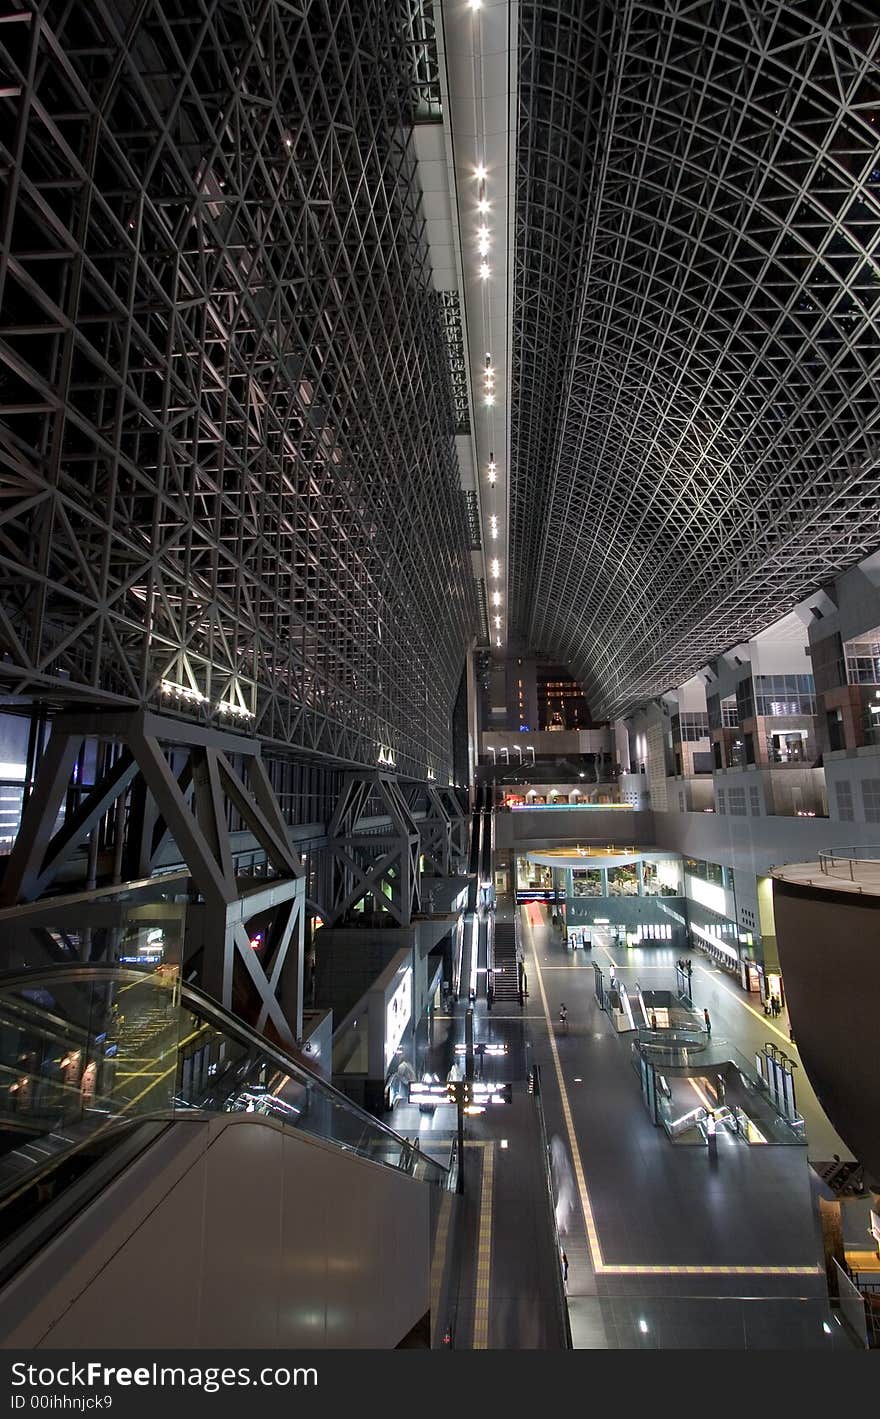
207,1009
850,859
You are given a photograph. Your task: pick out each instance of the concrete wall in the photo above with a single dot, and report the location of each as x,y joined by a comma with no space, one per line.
846,774
755,844
232,1234
552,742
829,948
574,825
780,791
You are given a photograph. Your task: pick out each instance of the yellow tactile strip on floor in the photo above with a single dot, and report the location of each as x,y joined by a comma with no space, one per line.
484,1250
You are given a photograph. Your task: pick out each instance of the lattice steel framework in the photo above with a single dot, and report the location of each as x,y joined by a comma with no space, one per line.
697,325
227,452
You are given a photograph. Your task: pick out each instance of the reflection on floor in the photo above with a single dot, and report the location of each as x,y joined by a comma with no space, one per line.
669,1247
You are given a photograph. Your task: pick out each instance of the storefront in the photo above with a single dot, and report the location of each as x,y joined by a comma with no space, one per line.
625,896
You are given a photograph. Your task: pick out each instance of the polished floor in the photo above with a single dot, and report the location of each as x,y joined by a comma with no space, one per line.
666,1248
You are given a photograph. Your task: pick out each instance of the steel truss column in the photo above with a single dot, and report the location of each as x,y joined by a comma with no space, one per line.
435,828
458,821
159,805
381,863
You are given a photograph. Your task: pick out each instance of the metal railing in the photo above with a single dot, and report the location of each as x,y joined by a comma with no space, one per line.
854,863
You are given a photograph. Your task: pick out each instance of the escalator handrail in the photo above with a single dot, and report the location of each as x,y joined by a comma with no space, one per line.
216,1015
20,1246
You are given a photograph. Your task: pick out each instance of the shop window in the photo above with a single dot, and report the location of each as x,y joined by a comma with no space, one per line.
587,884
623,882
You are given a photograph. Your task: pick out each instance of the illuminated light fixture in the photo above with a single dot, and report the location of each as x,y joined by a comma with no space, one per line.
498,622
491,476
474,4
496,598
489,399
498,641
184,692
484,271
480,173
494,532
483,246
495,567
482,205
238,710
483,234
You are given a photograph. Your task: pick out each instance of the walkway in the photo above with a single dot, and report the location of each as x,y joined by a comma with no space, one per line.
666,1249
507,1263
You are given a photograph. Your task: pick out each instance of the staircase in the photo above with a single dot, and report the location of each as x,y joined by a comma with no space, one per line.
506,970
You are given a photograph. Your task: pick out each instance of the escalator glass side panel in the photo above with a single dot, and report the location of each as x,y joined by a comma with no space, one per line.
87,1050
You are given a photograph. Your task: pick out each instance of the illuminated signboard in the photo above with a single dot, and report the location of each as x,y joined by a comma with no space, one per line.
398,1012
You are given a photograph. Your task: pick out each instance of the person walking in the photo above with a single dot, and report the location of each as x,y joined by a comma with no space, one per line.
564,1259
708,1023
563,1017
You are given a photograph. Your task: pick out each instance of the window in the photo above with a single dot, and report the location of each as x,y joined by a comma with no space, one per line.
781,695
720,799
736,798
871,799
754,801
845,812
863,661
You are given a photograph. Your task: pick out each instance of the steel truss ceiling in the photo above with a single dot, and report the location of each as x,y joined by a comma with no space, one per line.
697,325
227,450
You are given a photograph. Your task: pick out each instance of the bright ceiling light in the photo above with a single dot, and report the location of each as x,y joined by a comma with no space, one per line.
489,400
498,641
474,4
495,567
498,620
480,173
482,205
484,271
496,598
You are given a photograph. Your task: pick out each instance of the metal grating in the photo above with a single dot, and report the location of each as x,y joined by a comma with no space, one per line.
696,329
450,305
226,457
422,45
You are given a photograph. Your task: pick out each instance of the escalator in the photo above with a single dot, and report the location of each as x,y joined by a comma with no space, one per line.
97,1063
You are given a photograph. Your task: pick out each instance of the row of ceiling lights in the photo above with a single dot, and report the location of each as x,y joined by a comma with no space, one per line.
484,239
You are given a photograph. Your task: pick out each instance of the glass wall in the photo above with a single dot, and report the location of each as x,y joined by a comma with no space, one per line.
532,876
663,878
623,882
587,884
